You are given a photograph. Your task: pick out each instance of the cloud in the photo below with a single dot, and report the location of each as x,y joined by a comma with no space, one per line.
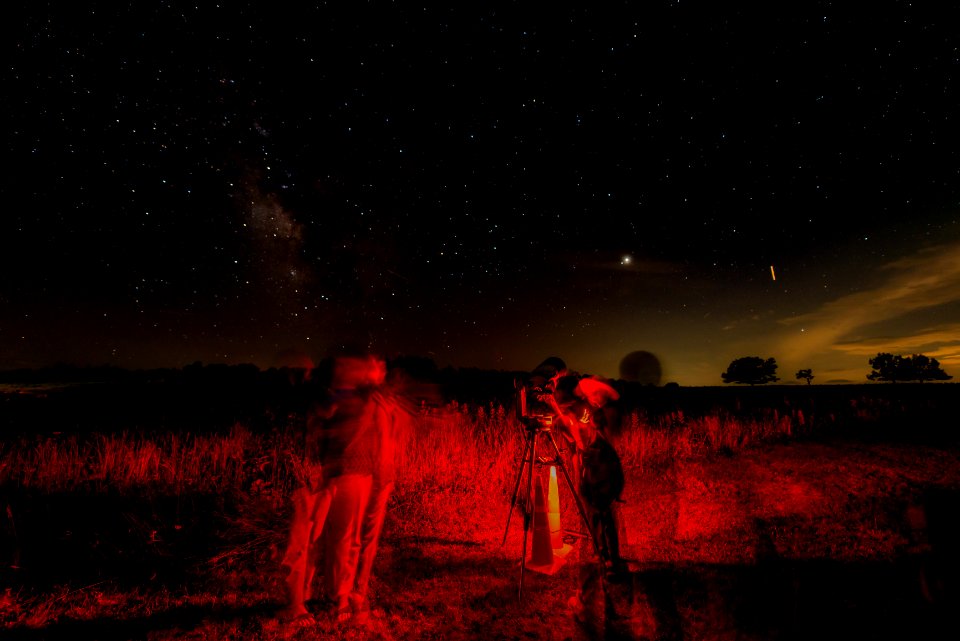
895,316
944,338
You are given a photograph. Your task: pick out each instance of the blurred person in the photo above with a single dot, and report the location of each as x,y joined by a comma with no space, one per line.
389,418
551,370
602,478
343,444
533,399
579,404
311,502
348,459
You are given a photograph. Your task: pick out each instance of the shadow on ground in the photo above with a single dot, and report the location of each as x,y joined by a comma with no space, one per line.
915,596
777,600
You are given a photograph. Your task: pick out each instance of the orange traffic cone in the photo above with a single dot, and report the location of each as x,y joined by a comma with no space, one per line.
543,559
560,548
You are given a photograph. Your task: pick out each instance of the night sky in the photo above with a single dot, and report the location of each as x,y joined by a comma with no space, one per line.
485,185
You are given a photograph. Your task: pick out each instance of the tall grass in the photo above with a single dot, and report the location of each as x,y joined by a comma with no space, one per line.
457,449
168,462
653,442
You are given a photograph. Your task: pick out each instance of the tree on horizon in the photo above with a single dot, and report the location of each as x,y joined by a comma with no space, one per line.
894,367
751,370
805,374
928,369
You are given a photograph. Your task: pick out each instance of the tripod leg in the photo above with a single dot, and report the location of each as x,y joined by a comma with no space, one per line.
516,488
527,511
576,496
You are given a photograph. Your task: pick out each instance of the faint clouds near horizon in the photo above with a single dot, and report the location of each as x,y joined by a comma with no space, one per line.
910,311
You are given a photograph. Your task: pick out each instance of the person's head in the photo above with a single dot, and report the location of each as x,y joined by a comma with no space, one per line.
350,372
551,366
552,369
378,370
353,369
565,388
595,391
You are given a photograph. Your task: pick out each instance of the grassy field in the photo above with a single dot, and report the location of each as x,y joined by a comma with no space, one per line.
753,519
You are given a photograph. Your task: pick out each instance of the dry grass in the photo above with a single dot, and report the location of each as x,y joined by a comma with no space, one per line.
455,448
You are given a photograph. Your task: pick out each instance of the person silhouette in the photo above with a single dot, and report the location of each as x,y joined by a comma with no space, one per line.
311,503
390,417
581,405
349,442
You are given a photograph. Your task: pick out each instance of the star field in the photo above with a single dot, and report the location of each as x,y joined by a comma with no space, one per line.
481,185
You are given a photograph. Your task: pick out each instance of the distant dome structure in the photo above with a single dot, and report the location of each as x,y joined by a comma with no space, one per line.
641,367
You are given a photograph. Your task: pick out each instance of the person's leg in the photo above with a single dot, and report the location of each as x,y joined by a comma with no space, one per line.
371,527
611,532
342,536
587,604
321,508
295,557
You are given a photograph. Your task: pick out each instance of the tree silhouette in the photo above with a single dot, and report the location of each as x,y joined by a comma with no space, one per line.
893,368
887,367
751,370
806,374
927,369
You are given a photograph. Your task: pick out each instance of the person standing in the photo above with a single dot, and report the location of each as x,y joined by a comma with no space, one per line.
602,479
389,418
579,403
348,459
340,511
311,502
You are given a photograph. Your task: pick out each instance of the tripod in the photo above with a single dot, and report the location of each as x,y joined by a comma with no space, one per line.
537,427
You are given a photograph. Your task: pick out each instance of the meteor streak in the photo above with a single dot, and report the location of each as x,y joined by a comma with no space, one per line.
773,274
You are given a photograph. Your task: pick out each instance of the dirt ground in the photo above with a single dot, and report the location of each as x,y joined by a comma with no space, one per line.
806,540
827,540
839,539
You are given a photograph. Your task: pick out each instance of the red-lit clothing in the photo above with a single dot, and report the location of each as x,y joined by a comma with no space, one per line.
386,417
371,526
349,496
349,438
385,438
348,449
599,476
597,469
300,560
361,449
349,435
311,503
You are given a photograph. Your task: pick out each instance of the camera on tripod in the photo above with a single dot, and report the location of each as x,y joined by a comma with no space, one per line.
534,409
537,410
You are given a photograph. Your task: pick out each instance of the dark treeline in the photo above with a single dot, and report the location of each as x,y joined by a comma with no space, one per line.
902,411
106,399
217,396
209,397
